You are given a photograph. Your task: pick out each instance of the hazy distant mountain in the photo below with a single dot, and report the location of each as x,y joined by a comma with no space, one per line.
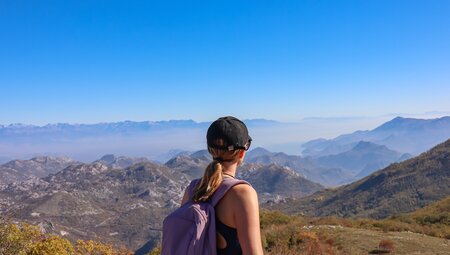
192,164
404,157
307,167
362,159
17,131
40,166
20,131
114,161
192,167
405,135
87,142
4,159
273,182
259,155
164,157
322,147
202,155
401,187
91,201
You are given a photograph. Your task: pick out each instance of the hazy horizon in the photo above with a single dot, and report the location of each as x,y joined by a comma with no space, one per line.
137,141
424,115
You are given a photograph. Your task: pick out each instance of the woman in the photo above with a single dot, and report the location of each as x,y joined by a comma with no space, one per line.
237,213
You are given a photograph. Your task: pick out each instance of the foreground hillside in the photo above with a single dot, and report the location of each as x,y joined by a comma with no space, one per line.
401,187
419,232
342,240
403,234
424,231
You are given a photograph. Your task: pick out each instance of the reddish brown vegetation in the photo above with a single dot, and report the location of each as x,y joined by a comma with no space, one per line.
386,245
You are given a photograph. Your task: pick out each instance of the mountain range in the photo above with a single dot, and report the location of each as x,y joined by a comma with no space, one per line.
363,159
406,135
398,188
87,142
332,170
305,166
122,203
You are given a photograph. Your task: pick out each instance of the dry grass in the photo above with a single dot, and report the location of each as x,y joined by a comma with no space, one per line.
291,235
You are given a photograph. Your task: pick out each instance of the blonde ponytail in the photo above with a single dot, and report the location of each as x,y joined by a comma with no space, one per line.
212,178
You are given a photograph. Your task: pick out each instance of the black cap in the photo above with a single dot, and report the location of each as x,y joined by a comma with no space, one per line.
231,131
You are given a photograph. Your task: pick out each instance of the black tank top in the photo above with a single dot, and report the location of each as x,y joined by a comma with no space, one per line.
230,234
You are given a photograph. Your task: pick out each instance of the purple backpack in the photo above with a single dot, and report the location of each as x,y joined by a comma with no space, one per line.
191,229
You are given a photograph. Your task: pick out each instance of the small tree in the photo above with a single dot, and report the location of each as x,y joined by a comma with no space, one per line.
97,248
51,245
386,246
25,239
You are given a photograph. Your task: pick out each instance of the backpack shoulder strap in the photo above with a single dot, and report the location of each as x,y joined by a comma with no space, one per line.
226,185
191,187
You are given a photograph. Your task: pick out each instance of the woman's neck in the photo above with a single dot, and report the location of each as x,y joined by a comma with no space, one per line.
230,169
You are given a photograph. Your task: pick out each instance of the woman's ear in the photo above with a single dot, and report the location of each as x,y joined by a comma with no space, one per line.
241,154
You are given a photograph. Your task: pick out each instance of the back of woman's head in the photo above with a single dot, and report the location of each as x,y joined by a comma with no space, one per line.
227,138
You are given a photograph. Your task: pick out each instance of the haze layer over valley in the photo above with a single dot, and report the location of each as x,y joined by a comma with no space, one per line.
160,140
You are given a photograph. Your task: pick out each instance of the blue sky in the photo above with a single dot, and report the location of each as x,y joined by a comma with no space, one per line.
94,61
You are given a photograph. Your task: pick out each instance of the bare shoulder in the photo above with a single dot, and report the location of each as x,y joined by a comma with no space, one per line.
240,204
243,191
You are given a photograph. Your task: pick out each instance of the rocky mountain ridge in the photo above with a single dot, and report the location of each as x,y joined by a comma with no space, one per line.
37,167
114,161
40,166
92,200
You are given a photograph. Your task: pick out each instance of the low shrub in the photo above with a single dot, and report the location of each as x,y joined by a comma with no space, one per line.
25,239
386,246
